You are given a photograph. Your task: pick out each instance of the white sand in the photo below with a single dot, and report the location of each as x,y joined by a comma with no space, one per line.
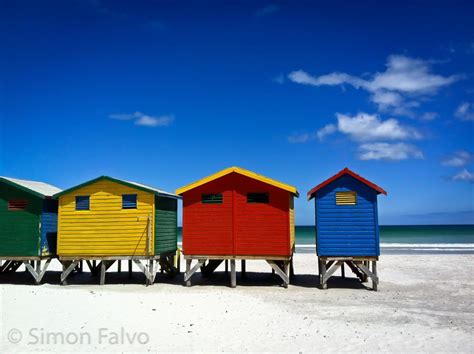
424,303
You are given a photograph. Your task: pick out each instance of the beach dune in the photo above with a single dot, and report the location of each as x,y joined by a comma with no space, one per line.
424,303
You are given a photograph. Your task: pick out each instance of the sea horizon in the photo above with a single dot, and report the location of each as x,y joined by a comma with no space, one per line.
403,239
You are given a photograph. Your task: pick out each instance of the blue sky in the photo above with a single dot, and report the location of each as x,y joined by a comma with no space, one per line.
165,92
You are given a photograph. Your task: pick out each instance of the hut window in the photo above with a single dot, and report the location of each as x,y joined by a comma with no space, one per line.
346,198
82,202
129,201
212,198
258,198
17,205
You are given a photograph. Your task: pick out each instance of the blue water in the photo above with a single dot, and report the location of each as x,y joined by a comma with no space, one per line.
405,239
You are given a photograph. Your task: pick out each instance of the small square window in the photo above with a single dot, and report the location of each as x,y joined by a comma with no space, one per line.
82,202
258,198
17,205
346,198
129,201
212,198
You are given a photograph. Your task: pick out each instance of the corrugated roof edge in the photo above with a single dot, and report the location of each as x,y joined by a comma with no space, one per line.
341,173
16,182
136,185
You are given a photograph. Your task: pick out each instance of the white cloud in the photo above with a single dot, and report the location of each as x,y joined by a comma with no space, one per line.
427,116
144,119
149,121
393,90
326,130
465,111
365,127
387,151
464,175
458,159
125,116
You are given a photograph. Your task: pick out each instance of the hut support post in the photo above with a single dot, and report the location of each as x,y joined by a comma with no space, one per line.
68,267
190,271
374,270
37,273
283,274
243,268
292,269
119,266
102,273
233,276
144,269
331,271
130,268
343,272
226,266
151,272
372,275
322,274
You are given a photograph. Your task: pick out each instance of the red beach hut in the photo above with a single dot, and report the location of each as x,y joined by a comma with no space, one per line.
237,214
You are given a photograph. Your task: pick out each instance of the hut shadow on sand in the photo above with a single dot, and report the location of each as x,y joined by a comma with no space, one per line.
251,279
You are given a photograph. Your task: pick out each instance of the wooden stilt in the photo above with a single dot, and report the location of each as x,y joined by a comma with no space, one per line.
343,272
243,267
322,276
37,272
102,273
282,273
68,267
226,266
119,266
63,282
292,269
374,270
285,270
151,279
129,268
233,276
188,270
364,276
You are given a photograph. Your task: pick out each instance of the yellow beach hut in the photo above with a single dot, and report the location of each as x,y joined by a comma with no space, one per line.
108,220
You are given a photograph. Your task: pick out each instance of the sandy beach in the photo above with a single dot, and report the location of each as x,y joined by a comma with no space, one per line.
424,304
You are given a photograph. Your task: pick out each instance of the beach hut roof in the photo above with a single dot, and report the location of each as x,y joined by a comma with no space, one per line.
345,171
240,171
136,185
40,189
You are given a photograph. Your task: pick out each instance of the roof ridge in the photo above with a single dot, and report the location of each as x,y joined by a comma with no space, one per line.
344,171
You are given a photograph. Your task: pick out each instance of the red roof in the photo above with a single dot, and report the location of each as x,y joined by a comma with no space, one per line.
345,171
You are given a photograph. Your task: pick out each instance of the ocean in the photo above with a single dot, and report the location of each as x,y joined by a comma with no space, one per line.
409,239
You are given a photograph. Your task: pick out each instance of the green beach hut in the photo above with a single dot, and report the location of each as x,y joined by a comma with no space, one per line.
28,225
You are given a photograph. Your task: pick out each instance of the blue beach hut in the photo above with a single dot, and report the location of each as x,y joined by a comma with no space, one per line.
347,228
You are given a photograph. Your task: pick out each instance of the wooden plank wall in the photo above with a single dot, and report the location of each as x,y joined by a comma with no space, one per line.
49,227
236,227
19,230
106,229
346,230
166,225
207,228
260,228
292,221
